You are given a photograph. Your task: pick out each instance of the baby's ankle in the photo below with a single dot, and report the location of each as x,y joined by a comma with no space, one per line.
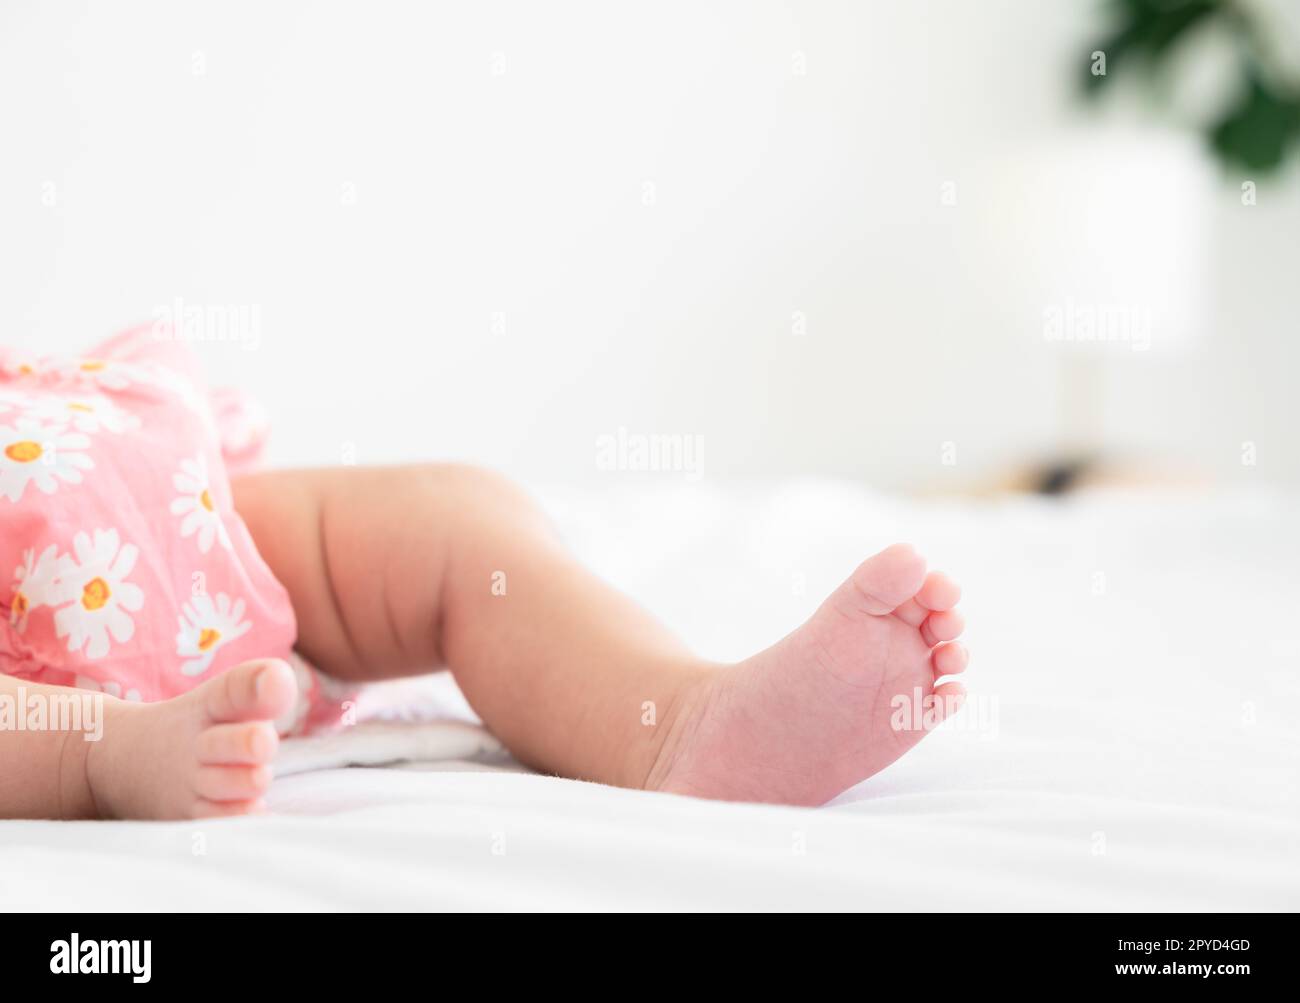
100,760
673,727
76,798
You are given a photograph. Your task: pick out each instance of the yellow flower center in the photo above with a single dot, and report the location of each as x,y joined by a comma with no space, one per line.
95,594
206,499
26,370
24,452
21,604
78,406
92,365
208,638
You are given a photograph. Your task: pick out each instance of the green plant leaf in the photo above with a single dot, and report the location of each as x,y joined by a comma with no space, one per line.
1258,129
1147,30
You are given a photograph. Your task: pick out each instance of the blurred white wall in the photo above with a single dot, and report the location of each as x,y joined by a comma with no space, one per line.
497,231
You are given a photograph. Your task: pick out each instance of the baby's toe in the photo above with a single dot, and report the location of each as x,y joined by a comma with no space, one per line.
250,743
232,783
227,809
884,582
258,690
940,627
949,659
948,699
939,592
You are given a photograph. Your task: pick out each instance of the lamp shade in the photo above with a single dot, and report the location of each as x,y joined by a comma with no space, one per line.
1097,240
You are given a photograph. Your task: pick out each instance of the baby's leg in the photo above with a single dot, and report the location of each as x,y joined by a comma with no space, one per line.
396,571
203,754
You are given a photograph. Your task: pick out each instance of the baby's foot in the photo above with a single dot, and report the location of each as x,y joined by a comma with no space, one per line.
832,703
204,754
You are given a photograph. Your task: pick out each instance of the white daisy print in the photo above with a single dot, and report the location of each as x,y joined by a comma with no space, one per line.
36,583
100,599
112,688
91,413
34,453
205,626
111,374
195,504
26,366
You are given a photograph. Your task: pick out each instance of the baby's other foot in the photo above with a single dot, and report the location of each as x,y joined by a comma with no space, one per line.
834,702
207,753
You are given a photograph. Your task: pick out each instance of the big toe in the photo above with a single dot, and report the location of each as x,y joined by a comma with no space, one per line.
884,582
254,691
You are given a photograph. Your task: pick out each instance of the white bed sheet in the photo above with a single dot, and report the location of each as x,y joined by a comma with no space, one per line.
1134,745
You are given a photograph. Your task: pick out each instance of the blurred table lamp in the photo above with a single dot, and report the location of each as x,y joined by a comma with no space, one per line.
1102,255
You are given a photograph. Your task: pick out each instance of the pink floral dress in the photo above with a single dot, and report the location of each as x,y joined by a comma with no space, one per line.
132,572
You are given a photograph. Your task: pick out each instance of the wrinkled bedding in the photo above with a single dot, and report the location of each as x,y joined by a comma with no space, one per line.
1131,742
